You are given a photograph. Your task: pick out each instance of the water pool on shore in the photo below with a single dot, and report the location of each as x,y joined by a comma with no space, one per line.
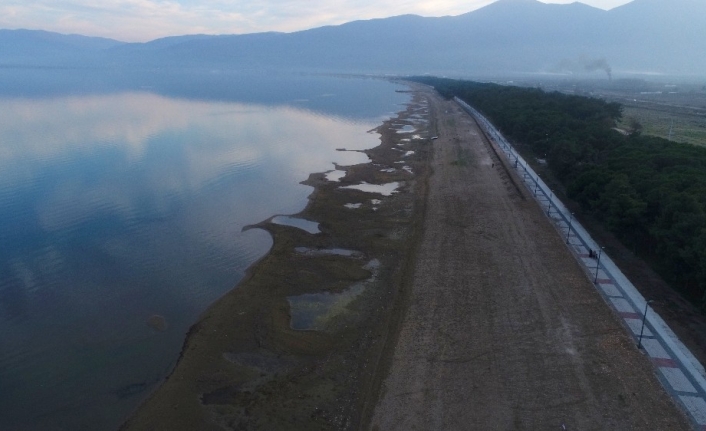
299,223
314,311
383,189
317,311
406,129
328,252
119,204
335,176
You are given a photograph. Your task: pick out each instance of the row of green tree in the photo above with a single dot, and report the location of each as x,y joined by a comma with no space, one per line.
650,192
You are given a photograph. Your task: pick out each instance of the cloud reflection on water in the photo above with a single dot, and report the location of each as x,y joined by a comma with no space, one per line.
199,142
116,207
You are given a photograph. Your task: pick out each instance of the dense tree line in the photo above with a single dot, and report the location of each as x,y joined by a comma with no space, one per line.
650,192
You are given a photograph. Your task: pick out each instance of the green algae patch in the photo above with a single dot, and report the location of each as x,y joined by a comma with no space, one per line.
303,341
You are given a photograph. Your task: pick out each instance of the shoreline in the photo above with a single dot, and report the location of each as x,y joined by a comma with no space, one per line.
243,365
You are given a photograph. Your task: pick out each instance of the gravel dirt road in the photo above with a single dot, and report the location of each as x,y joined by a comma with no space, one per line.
503,330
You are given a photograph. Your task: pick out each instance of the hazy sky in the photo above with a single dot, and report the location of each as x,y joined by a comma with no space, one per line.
143,20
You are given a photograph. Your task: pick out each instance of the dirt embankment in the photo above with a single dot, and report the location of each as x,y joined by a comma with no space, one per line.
295,346
503,330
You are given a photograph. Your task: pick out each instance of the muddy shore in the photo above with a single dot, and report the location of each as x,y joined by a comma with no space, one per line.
301,342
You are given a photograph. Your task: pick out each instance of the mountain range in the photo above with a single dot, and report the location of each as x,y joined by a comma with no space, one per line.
508,36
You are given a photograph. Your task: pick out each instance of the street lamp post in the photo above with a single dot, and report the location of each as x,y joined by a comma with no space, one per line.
644,317
568,234
549,203
598,263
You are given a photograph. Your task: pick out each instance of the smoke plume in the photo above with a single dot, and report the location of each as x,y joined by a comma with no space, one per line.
582,65
599,64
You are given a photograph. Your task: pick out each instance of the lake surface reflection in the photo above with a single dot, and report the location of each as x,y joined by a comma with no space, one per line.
118,206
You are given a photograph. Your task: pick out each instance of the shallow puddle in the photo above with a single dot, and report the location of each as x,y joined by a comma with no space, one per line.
328,252
353,206
335,175
313,311
299,223
383,189
316,311
406,129
351,157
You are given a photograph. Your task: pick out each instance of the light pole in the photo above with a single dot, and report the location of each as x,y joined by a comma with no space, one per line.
568,234
549,203
598,263
536,184
644,317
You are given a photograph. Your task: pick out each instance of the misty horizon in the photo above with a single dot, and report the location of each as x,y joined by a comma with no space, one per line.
510,37
146,21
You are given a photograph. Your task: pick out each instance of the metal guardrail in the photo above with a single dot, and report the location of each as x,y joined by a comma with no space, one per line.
679,371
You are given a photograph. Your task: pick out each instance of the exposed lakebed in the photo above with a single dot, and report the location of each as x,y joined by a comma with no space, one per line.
297,346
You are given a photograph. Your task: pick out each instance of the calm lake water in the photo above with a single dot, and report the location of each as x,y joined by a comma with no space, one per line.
123,196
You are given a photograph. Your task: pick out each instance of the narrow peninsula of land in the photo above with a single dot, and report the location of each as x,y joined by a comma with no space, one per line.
301,342
450,304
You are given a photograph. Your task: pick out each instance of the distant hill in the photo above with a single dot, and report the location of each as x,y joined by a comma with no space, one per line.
520,36
37,47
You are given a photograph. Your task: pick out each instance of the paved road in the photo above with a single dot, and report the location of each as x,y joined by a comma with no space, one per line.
504,331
